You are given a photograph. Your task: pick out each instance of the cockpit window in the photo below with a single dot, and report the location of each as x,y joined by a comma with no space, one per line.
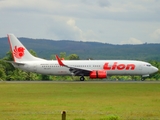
148,65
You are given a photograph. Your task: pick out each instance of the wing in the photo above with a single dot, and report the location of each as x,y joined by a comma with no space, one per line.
74,70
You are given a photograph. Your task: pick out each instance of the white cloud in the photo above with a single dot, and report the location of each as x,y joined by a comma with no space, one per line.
131,41
156,34
98,20
76,32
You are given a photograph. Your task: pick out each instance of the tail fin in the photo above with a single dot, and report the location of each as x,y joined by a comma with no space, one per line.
19,52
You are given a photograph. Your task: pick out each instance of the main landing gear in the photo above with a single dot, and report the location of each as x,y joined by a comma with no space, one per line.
82,78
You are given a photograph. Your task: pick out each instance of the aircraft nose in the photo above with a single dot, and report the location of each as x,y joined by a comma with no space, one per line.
155,69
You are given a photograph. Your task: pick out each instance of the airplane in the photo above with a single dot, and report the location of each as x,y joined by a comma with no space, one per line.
95,69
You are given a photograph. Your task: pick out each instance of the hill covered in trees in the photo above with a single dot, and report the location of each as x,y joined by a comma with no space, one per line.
95,50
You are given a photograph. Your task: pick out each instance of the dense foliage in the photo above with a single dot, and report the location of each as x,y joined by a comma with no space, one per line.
9,73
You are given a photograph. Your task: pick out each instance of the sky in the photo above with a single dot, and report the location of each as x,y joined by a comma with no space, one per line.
106,21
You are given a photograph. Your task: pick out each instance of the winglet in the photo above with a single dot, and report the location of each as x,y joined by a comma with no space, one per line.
59,61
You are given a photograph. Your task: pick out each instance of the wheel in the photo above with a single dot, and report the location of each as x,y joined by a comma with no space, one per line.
82,78
142,79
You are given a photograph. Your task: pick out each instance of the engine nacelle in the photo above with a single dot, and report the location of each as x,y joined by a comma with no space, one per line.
98,74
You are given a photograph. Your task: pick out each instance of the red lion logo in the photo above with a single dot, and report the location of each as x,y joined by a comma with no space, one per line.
18,52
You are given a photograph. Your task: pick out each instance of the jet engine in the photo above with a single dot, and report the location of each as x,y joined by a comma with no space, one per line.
98,74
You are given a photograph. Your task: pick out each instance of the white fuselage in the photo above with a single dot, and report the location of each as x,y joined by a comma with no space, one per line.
112,67
93,68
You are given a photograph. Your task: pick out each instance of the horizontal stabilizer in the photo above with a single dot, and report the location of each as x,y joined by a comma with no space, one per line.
17,63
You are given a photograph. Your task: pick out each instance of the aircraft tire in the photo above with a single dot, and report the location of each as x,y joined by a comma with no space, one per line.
142,79
82,78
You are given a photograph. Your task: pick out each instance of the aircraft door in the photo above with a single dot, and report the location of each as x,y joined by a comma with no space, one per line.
34,68
140,68
31,67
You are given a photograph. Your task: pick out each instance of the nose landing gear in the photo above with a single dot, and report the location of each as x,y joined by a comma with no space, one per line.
143,78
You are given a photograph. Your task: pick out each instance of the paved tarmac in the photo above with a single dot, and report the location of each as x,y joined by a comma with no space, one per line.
62,81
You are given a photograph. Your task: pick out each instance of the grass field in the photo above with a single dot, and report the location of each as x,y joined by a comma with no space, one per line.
81,101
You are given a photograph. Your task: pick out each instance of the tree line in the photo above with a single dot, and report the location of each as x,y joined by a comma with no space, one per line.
9,73
96,50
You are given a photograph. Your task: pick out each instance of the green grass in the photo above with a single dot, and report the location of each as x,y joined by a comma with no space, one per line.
81,101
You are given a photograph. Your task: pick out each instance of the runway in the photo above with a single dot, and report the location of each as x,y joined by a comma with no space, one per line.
80,82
